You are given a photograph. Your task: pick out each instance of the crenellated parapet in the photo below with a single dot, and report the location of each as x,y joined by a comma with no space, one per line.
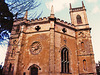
78,8
39,20
66,24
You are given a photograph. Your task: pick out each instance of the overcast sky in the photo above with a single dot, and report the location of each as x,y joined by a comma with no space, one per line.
61,9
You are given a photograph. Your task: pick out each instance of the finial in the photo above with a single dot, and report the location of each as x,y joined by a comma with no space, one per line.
52,10
70,6
26,14
83,4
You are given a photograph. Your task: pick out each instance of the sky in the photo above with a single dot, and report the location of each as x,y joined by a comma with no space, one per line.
61,9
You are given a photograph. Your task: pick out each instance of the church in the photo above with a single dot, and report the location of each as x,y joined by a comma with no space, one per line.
50,46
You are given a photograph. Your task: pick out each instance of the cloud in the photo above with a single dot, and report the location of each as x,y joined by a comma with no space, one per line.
3,50
91,1
95,10
59,4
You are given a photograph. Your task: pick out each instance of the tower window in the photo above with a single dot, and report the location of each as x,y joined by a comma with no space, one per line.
82,45
64,61
79,21
84,65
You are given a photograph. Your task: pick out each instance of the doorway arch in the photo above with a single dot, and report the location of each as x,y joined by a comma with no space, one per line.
34,69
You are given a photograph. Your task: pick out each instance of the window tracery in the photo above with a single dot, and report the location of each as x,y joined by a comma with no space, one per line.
64,61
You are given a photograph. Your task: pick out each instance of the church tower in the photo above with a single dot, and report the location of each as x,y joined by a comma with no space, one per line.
50,46
78,15
85,55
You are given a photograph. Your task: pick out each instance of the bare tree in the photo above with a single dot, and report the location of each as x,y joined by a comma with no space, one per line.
18,7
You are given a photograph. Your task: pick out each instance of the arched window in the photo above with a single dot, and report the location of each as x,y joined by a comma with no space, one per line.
10,67
34,71
79,21
82,45
64,61
84,65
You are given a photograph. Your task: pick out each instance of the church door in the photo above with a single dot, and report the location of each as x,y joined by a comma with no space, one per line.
34,71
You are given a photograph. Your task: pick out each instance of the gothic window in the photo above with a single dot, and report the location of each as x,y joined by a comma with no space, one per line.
82,45
34,71
10,67
79,20
64,61
84,65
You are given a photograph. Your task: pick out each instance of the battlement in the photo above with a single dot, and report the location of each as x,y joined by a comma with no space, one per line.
77,8
64,23
20,20
40,19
